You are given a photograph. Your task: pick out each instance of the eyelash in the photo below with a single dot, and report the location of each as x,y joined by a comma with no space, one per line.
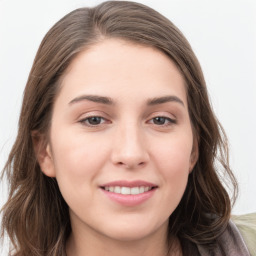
166,121
86,121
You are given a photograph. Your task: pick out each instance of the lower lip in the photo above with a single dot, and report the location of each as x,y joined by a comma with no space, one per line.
129,200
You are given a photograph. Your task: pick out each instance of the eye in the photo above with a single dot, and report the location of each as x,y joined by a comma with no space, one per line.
162,120
93,120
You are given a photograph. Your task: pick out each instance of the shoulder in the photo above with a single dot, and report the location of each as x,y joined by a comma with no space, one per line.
232,242
246,225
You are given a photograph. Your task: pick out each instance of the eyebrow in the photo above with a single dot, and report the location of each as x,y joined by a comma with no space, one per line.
109,101
164,99
93,98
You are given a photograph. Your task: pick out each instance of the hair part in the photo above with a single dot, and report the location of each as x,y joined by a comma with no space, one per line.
36,217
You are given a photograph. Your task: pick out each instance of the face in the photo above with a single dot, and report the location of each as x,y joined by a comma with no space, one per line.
121,141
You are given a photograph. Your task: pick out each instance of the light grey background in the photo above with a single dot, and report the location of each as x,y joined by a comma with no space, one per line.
222,34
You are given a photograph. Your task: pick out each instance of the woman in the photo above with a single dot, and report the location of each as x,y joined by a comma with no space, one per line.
117,145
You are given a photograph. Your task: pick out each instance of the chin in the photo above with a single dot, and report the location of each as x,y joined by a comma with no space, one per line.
132,231
129,235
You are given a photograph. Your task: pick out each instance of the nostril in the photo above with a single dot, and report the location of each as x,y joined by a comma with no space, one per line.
130,165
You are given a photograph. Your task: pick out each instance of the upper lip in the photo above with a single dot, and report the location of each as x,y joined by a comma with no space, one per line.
126,183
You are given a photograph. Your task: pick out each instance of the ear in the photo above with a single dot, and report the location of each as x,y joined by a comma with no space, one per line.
43,153
194,155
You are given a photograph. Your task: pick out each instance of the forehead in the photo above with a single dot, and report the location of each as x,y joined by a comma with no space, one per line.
117,68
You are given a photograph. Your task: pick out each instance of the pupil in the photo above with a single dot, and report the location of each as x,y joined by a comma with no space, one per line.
159,120
94,120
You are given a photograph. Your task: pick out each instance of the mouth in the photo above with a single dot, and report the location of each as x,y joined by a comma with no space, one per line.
129,193
128,190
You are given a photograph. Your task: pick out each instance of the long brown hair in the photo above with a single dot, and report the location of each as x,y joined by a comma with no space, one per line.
36,217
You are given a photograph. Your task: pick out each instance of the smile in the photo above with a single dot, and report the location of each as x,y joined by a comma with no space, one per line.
129,193
128,190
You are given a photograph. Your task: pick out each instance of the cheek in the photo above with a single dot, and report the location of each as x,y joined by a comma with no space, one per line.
174,153
173,162
77,160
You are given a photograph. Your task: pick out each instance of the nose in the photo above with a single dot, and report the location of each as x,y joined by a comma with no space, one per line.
129,148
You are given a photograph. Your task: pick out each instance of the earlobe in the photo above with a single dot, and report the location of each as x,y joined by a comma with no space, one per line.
43,154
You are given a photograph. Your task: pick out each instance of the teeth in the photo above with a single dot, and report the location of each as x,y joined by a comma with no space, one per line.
135,191
117,190
127,190
142,189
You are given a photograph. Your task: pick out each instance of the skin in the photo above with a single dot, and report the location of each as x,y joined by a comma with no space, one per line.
127,143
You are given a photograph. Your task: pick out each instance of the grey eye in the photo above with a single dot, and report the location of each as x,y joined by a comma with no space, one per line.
160,120
94,120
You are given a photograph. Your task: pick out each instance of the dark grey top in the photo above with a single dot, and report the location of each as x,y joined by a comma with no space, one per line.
230,243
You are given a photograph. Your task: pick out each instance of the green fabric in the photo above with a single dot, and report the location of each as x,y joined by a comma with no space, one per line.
247,227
